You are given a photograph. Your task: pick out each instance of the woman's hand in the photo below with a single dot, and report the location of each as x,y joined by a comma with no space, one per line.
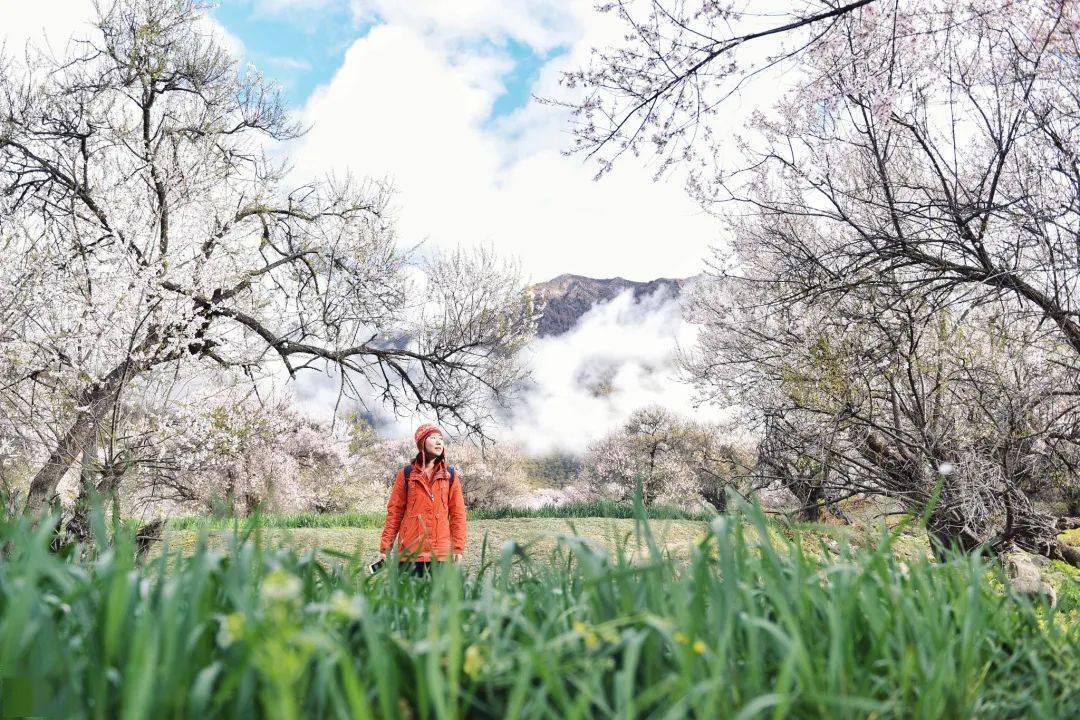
457,557
382,556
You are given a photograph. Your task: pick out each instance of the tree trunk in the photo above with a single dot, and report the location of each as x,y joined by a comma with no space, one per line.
944,537
8,505
147,535
98,400
713,494
1057,550
811,511
78,527
1038,534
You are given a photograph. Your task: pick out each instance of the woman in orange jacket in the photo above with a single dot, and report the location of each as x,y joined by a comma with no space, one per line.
426,511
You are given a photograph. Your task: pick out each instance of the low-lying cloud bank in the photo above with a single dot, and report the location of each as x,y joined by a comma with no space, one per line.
585,383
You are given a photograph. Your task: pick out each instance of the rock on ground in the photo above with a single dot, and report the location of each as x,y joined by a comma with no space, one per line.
1025,578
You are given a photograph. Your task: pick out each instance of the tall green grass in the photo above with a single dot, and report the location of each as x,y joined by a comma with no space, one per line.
606,509
749,627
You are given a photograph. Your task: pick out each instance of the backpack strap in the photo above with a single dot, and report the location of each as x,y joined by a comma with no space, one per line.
408,471
453,475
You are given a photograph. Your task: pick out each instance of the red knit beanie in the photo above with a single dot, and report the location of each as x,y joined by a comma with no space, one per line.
422,434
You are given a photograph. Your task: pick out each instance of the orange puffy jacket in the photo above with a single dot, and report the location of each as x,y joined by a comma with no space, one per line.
433,521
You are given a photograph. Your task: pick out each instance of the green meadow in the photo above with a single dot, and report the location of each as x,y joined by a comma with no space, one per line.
609,618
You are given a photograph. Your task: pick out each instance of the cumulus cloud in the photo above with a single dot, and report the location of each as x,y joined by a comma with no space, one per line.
413,102
233,44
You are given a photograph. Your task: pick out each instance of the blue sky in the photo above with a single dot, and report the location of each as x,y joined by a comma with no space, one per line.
303,48
298,49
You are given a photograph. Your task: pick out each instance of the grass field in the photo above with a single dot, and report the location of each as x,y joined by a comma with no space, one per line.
375,520
538,536
741,622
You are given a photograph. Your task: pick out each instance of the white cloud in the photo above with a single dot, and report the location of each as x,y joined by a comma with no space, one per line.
278,7
231,43
288,64
585,383
624,348
542,24
52,24
405,106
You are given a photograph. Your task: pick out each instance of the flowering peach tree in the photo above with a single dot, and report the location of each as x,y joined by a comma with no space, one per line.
896,308
149,227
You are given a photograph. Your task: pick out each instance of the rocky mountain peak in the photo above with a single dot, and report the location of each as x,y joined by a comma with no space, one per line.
568,297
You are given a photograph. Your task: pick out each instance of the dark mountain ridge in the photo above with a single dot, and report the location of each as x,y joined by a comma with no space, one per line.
568,297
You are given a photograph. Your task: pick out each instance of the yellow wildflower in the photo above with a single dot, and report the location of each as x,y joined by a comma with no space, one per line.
342,604
280,584
474,660
699,647
230,629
